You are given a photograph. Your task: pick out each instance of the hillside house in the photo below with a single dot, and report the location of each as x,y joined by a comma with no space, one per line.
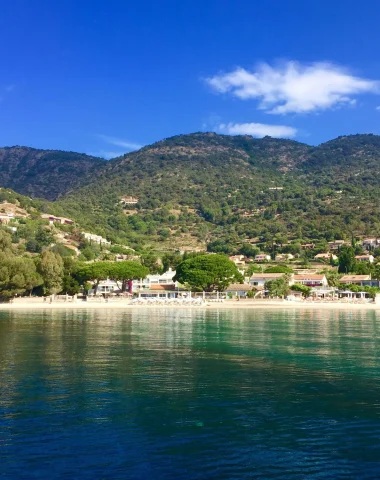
262,257
129,200
325,256
365,258
53,219
308,246
283,257
239,260
91,237
337,244
5,218
311,280
371,243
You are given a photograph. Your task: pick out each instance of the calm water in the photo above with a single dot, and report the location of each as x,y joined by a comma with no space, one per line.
164,394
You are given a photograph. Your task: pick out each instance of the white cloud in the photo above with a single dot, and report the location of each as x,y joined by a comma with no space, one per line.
294,88
120,143
377,108
106,154
257,129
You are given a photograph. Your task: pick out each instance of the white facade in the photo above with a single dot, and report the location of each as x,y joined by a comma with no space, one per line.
365,258
259,279
281,257
262,257
91,237
153,280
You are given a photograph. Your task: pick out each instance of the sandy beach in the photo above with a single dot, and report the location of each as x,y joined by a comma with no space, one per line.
229,304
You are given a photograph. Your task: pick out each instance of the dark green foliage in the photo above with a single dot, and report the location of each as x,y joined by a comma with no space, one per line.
278,287
17,275
279,269
346,259
44,173
304,289
208,272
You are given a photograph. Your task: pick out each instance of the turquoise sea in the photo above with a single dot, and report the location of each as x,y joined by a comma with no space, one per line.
181,394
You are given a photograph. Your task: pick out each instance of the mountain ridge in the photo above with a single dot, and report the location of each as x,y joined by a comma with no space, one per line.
44,173
199,188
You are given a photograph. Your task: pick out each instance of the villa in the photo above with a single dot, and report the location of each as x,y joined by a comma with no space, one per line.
356,279
325,256
283,257
336,244
239,260
311,280
91,237
129,200
259,279
365,258
262,257
53,219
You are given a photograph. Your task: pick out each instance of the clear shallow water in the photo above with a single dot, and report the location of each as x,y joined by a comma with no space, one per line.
168,394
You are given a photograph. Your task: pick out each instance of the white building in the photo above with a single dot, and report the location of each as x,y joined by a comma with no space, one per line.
365,258
311,280
325,256
262,257
165,279
5,218
129,200
283,257
259,279
91,237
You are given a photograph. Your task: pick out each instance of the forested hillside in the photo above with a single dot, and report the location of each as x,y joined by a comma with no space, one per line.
195,189
220,191
45,173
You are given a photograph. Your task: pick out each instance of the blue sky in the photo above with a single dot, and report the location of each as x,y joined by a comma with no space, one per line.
106,77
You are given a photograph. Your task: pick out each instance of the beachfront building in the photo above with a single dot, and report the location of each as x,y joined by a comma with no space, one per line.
349,296
311,280
355,279
259,279
365,258
262,257
238,289
106,286
152,281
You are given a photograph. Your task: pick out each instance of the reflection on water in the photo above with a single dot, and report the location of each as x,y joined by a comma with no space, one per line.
189,394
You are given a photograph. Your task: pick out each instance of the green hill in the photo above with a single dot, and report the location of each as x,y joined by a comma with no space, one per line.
196,189
45,173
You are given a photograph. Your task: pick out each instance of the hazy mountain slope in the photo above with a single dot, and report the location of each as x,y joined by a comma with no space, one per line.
45,173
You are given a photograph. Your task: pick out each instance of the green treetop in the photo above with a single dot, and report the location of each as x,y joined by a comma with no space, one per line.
208,273
51,268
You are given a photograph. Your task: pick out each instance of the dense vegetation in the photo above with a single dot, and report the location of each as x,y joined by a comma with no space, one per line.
222,193
45,173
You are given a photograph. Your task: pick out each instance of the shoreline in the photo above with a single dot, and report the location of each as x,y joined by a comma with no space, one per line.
264,305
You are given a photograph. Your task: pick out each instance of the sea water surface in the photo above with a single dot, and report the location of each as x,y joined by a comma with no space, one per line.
189,394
